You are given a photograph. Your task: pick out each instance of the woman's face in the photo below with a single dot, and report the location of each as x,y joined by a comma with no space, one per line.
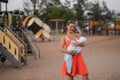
71,27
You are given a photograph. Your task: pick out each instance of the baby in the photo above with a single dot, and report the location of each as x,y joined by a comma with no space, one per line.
76,49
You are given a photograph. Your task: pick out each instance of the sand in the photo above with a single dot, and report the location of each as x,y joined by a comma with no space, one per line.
101,55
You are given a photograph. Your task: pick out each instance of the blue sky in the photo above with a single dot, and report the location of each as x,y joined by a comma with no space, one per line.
18,4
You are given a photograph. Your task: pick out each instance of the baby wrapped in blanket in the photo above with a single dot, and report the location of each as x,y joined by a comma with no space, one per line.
76,49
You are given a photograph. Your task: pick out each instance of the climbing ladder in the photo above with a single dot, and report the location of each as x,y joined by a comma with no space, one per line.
12,47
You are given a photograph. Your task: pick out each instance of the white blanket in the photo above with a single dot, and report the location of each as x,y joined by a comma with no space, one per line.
76,49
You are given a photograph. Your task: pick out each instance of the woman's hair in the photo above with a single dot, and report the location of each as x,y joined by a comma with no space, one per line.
69,22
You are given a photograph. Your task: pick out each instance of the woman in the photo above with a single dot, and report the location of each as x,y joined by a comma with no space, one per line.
78,65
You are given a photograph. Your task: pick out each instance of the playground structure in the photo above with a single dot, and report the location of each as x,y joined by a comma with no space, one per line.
37,26
17,39
12,47
102,27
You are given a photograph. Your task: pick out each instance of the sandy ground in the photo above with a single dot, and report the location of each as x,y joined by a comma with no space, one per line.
101,55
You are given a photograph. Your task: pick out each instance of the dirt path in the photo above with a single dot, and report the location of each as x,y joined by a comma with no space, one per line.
101,54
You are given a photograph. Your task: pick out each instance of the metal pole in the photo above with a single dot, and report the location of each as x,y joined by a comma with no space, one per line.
0,6
56,28
6,6
6,14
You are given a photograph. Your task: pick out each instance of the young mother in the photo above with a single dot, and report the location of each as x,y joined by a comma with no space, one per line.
78,65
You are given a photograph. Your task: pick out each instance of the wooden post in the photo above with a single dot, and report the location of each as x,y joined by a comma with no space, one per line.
115,26
106,28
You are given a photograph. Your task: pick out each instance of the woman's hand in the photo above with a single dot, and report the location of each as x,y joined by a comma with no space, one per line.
82,45
76,43
71,52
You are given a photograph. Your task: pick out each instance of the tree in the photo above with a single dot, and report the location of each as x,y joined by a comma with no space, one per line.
98,11
27,8
34,2
67,4
47,9
58,13
79,8
107,12
35,6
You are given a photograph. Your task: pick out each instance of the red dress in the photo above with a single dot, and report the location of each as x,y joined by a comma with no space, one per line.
78,65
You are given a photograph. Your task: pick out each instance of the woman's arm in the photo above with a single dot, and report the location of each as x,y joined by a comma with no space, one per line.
78,43
82,45
62,46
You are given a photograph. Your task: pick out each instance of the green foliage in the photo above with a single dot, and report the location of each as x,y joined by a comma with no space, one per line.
74,9
55,9
58,13
79,9
97,11
79,12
